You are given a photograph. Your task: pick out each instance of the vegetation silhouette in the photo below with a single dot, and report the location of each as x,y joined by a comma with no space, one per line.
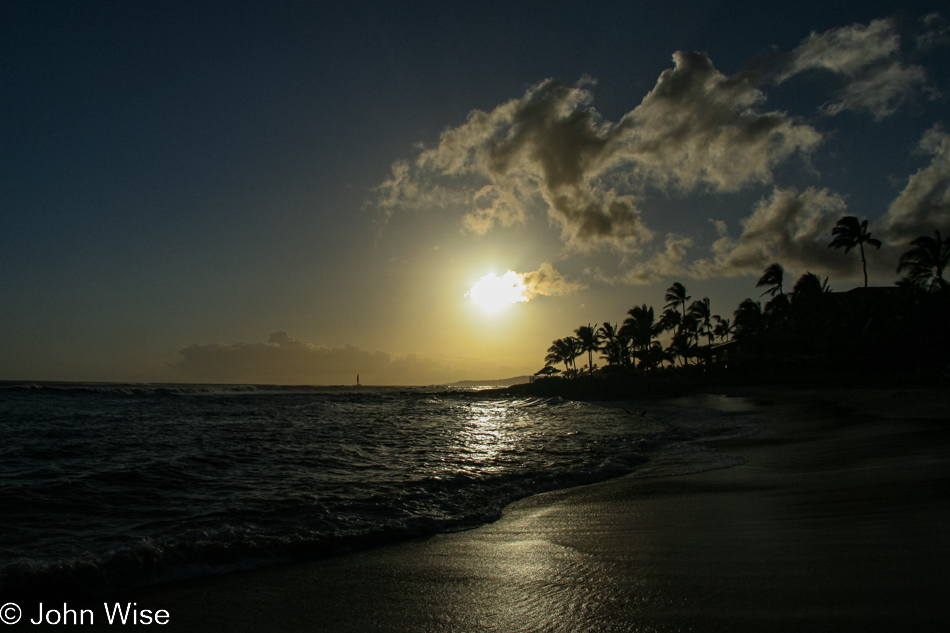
926,261
849,233
809,334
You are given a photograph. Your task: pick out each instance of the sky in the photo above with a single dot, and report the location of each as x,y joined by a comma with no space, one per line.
297,192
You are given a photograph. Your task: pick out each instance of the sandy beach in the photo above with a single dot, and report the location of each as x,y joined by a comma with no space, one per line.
837,522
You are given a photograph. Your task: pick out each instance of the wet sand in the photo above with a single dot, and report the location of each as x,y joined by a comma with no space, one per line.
839,521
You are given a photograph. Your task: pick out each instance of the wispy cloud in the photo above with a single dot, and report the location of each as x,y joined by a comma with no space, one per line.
865,61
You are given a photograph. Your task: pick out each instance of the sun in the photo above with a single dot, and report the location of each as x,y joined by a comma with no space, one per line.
494,293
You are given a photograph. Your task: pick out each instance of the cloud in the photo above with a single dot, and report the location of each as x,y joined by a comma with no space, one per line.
936,32
699,127
548,282
787,227
494,292
285,360
550,149
668,262
924,204
865,61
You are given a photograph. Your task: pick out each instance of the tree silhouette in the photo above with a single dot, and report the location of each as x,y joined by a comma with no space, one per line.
615,344
772,278
848,233
809,287
724,328
640,326
808,302
676,296
588,341
926,261
669,320
563,350
748,318
701,311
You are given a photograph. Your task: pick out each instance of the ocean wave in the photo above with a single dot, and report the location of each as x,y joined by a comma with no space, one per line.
112,492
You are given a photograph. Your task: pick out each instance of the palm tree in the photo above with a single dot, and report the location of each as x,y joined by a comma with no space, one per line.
682,343
640,326
724,328
848,232
772,279
588,341
558,353
563,350
808,301
676,295
748,318
701,311
669,320
809,287
926,261
653,356
615,345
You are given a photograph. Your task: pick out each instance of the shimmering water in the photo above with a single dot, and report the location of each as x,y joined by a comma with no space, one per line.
106,486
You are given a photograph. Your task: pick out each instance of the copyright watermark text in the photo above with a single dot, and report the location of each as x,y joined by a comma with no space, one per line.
128,613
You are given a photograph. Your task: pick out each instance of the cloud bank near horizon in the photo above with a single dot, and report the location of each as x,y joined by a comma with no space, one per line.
285,360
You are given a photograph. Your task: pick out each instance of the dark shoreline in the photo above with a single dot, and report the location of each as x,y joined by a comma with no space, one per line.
681,382
836,522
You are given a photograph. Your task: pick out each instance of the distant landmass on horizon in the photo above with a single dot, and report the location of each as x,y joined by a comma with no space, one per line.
502,382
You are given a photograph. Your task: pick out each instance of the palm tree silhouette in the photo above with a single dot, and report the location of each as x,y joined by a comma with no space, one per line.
808,302
675,296
748,318
772,278
848,233
808,287
926,261
563,350
615,345
701,311
724,328
588,341
641,328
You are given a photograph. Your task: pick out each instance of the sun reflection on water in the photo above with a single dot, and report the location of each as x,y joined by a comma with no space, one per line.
487,433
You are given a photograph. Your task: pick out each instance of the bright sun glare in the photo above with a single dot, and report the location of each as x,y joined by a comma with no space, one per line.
493,292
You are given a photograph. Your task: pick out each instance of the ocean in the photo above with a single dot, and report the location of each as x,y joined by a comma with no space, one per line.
109,486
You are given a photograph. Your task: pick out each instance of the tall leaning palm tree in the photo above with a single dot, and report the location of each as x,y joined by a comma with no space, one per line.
848,233
926,261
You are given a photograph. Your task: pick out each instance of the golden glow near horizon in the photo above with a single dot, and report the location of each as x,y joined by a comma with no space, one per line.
494,293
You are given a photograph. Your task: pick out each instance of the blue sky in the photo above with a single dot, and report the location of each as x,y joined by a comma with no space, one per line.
296,192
